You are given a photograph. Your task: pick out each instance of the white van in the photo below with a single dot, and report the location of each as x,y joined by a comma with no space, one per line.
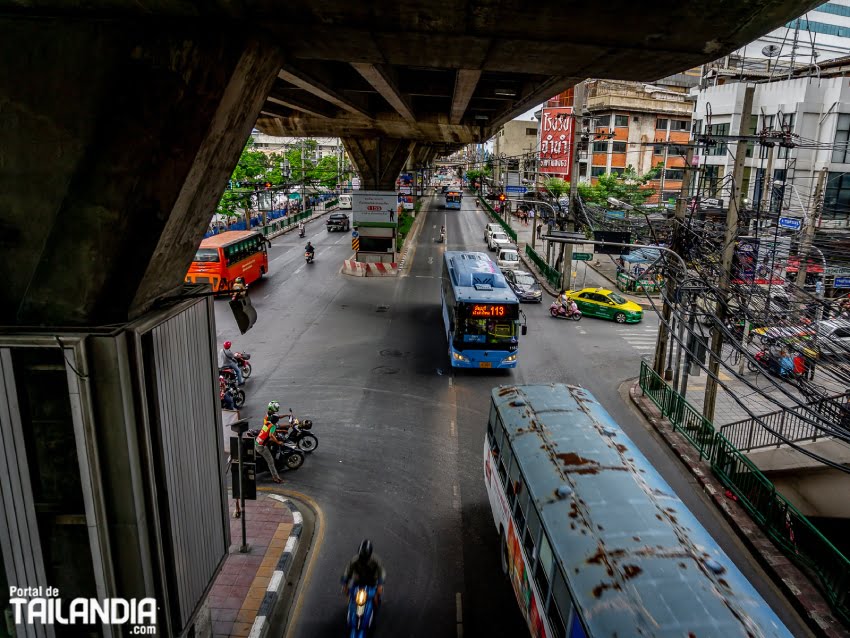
345,202
508,258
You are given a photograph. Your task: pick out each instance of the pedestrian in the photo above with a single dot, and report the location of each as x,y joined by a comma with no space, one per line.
539,230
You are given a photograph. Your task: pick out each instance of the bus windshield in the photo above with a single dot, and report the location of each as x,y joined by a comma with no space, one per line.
453,197
497,331
206,255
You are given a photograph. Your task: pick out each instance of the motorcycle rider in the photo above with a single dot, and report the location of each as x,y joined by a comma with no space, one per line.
309,249
442,233
365,569
267,433
226,359
239,288
301,230
567,304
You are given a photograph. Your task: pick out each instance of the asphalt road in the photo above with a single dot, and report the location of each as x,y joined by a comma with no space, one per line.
401,434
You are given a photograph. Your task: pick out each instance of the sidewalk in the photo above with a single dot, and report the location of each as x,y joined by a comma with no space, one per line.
244,594
316,215
585,274
796,587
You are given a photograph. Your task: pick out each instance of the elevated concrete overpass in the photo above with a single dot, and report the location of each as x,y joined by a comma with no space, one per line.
121,121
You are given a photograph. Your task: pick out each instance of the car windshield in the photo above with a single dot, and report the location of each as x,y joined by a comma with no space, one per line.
525,280
206,254
617,299
499,236
487,331
510,257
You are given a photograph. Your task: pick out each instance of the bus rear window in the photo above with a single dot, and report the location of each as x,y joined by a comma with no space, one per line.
206,254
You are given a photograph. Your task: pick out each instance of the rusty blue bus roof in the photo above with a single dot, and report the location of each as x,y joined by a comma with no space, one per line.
637,561
476,278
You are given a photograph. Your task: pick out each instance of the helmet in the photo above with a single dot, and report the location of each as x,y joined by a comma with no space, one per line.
227,345
240,280
365,551
274,406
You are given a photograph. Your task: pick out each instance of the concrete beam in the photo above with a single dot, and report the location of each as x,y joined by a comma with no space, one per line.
379,78
378,160
295,105
465,82
312,85
125,175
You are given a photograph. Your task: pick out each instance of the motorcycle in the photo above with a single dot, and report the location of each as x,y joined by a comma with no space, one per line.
308,257
286,457
361,610
243,363
300,435
559,312
232,386
302,232
765,360
442,237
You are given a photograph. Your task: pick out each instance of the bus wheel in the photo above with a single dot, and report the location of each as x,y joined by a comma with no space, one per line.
503,546
262,271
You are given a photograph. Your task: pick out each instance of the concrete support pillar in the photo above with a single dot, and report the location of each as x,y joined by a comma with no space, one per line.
118,139
379,160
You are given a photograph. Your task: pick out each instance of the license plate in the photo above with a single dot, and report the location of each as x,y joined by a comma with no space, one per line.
485,364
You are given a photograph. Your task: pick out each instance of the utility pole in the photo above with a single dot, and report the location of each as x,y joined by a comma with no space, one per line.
303,202
808,237
677,245
729,245
575,166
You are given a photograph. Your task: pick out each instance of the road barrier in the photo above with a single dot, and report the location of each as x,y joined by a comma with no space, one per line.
792,532
551,274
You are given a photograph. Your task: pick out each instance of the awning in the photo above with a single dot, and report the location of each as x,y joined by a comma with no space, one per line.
641,255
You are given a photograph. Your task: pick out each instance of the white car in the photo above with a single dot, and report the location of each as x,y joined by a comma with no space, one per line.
508,258
488,229
498,238
834,339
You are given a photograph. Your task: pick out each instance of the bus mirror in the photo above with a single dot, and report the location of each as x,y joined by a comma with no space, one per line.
243,312
524,329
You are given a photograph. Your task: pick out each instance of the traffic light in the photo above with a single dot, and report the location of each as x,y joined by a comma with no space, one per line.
268,185
502,197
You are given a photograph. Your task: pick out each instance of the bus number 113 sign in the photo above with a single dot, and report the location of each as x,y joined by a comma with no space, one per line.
489,310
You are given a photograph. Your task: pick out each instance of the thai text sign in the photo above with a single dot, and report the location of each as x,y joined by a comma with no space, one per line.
374,208
556,141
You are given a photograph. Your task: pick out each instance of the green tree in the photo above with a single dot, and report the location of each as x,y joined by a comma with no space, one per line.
629,187
326,172
556,187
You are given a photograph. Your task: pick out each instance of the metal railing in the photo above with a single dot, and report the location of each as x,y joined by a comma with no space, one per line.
551,274
794,424
792,532
507,228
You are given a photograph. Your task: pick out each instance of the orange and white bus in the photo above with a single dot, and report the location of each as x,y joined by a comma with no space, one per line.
224,257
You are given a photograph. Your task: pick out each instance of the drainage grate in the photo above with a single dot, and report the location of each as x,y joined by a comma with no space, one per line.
381,308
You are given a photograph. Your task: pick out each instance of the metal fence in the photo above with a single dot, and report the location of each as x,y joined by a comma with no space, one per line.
275,221
793,424
551,274
508,230
792,532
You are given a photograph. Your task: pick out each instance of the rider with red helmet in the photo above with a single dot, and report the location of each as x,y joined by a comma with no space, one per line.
226,359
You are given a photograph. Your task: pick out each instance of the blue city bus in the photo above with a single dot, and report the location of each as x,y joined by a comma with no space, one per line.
453,198
593,540
480,311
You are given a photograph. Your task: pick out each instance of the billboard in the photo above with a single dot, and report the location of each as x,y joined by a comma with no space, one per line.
374,208
556,142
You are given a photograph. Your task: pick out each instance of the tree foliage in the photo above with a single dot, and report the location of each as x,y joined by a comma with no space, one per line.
476,174
556,187
630,187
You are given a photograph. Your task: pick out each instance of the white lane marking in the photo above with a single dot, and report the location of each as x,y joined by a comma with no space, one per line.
451,382
300,268
456,496
452,427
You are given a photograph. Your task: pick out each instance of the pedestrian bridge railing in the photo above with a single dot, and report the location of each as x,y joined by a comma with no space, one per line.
792,532
800,423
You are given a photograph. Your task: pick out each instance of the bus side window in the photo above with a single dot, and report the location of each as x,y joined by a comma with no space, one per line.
521,508
532,531
543,568
560,606
504,463
514,482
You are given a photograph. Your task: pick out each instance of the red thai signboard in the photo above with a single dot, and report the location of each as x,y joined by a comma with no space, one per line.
556,141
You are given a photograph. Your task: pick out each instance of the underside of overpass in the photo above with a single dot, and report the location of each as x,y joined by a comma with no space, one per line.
121,121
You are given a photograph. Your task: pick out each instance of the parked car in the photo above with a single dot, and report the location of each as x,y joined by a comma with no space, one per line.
488,229
498,239
338,221
834,339
524,285
606,304
508,258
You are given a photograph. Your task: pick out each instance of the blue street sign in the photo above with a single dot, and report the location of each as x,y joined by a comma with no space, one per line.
516,189
791,223
354,234
841,282
617,214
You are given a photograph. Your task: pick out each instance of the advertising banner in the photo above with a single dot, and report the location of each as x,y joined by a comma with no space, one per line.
556,141
374,208
745,263
406,200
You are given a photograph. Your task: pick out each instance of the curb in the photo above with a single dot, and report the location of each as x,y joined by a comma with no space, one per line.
411,238
278,580
799,591
544,283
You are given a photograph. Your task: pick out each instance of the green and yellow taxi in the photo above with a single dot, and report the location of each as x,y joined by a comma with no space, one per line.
606,304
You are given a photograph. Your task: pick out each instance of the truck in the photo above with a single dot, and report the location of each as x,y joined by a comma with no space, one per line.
338,221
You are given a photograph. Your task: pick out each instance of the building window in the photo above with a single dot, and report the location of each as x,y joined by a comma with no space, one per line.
696,127
618,147
674,173
679,125
621,120
597,171
661,124
669,197
531,131
834,9
617,171
841,152
777,191
836,203
754,121
600,147
787,125
658,149
711,180
820,27
719,146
